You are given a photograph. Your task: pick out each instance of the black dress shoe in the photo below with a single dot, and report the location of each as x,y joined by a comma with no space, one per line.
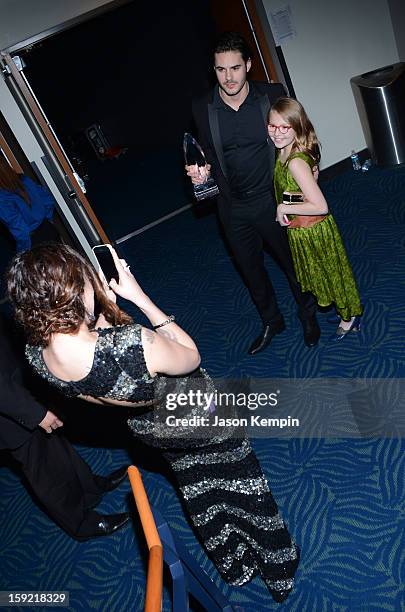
112,481
108,524
268,333
312,333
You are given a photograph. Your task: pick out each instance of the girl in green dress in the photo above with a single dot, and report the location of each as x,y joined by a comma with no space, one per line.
320,259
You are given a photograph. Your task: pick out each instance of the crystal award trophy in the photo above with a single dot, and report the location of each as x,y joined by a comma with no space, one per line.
193,154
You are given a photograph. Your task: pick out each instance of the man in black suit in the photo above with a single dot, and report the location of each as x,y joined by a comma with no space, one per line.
232,126
60,479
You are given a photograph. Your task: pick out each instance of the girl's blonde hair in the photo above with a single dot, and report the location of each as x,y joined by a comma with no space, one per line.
294,114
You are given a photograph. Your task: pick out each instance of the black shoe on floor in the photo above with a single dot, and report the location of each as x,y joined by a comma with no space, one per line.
108,524
112,481
312,332
268,333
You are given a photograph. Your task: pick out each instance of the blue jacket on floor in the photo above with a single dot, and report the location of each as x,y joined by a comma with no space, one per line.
21,218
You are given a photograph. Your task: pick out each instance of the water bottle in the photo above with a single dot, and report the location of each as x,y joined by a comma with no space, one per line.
355,161
367,164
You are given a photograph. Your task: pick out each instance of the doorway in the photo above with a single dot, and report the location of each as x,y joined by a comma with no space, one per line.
117,92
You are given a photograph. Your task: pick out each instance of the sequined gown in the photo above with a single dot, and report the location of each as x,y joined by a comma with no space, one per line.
220,481
320,260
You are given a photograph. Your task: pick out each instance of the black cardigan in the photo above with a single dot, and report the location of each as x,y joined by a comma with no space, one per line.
20,413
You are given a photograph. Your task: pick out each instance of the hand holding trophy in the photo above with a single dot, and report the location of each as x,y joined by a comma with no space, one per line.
194,156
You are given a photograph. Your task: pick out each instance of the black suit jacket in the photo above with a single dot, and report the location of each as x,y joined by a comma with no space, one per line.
20,413
206,118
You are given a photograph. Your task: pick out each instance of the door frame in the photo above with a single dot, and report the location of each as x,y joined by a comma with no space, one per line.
65,25
53,152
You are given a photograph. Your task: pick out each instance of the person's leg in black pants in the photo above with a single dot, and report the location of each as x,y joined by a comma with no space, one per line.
275,237
249,225
62,481
247,248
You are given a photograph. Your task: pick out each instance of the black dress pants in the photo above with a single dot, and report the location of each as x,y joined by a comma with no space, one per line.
249,225
61,480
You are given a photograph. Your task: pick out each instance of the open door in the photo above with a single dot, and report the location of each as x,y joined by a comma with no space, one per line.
12,151
55,159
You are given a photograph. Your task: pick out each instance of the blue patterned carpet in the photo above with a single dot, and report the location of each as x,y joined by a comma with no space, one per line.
343,499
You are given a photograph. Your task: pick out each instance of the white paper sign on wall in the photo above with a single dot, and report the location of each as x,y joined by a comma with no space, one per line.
282,25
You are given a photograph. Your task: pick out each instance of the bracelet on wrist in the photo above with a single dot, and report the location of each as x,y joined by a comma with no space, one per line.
169,320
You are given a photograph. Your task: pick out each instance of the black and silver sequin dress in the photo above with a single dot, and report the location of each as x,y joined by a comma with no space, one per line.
219,478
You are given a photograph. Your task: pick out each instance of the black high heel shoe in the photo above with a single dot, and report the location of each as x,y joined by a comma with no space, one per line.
340,333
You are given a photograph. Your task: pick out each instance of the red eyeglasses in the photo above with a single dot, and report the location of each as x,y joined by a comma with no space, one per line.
283,129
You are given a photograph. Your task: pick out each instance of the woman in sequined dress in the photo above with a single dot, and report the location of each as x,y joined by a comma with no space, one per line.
116,361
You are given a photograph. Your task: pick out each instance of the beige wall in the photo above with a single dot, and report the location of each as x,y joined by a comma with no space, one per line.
397,10
21,19
336,39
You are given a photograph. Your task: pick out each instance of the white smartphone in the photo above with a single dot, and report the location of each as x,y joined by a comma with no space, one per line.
106,262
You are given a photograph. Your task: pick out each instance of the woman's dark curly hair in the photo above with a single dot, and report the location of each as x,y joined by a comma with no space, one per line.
46,286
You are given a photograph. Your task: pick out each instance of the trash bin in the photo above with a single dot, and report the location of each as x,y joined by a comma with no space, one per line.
380,100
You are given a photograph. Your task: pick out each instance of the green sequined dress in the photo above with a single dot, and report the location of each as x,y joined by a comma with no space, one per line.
319,256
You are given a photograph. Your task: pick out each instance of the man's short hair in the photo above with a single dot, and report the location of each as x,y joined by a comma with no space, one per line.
232,41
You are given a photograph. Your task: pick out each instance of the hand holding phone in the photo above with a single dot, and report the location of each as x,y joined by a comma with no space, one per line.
107,267
118,276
